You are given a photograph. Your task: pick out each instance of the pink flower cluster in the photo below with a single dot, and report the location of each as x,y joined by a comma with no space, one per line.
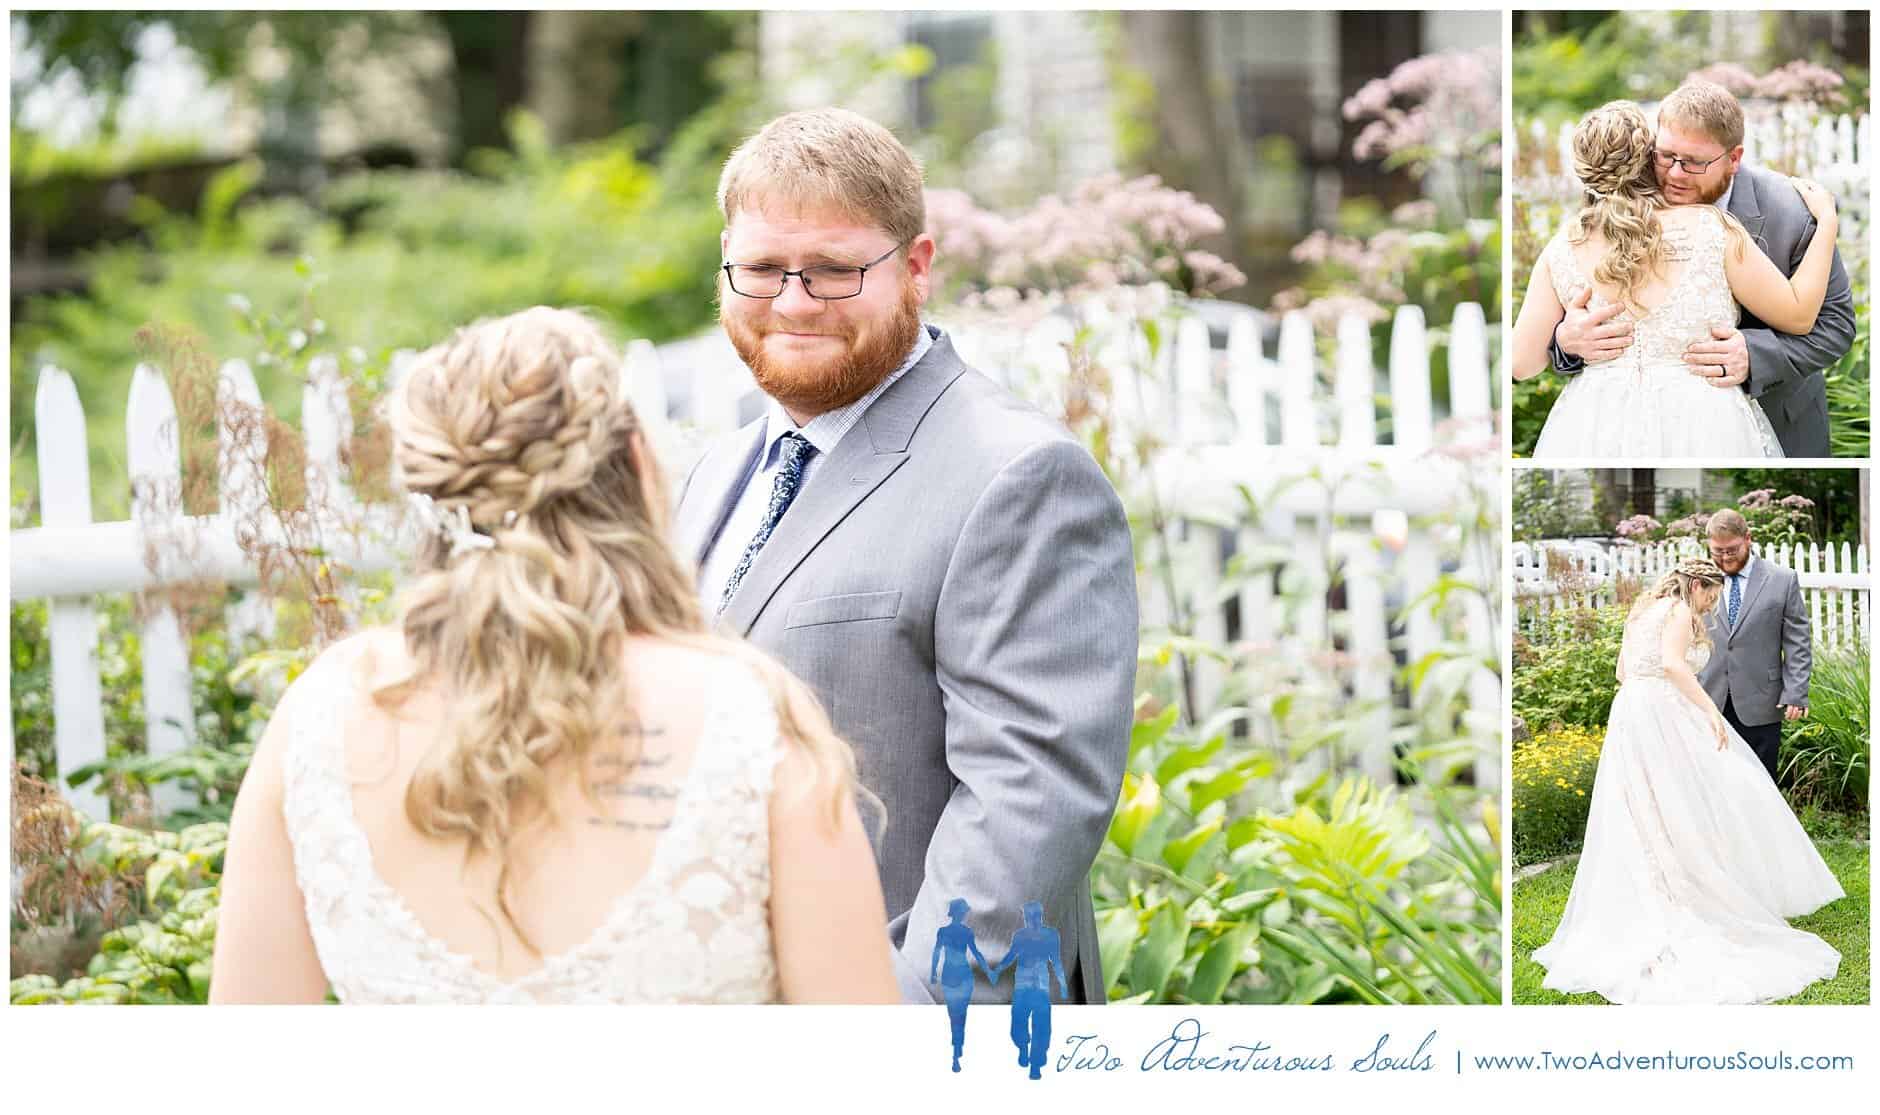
1689,526
1110,231
1638,526
1799,80
1371,270
1437,107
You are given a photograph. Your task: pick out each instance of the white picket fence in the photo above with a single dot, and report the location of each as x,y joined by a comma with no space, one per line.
1230,416
1835,580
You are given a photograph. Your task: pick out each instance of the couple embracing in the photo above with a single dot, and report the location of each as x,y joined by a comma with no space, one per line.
1694,300
612,754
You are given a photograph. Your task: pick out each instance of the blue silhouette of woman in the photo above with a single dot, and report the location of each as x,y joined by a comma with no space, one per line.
955,939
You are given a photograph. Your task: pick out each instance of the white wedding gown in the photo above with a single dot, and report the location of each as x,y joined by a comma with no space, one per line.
695,928
1646,402
1692,858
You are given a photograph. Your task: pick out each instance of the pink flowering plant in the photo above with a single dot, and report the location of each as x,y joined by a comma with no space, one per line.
1438,116
1773,520
1639,528
1111,231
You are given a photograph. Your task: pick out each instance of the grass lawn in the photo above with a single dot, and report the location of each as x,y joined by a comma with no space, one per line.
1540,900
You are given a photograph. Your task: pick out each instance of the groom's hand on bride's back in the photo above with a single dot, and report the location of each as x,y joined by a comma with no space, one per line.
1722,361
1591,334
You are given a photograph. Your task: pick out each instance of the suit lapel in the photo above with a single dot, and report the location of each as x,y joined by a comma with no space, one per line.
1746,206
713,490
1752,585
866,456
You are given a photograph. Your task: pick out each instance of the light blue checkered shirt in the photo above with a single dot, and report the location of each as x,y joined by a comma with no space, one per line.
825,432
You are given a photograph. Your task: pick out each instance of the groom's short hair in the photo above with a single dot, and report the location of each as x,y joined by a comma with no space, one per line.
1707,107
1728,523
828,158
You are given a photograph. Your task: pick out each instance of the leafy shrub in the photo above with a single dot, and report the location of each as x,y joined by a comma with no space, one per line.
166,957
1566,668
399,259
230,712
1826,756
1553,790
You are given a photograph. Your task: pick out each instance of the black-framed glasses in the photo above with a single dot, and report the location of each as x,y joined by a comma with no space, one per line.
1666,161
828,282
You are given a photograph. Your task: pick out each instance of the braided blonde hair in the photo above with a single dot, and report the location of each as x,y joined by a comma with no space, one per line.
1612,157
1681,583
518,422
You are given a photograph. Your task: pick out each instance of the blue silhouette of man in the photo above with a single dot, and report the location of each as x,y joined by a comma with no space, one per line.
1036,952
955,939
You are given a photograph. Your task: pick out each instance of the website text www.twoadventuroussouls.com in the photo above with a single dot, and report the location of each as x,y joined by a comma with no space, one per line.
1618,1060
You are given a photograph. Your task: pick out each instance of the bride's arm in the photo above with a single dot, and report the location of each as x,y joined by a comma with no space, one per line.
1672,644
1534,329
1789,305
827,915
263,949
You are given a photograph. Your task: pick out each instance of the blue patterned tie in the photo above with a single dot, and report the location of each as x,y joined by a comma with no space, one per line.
793,451
1736,598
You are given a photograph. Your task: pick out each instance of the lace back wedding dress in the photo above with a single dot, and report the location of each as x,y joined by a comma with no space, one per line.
695,928
1646,402
1692,859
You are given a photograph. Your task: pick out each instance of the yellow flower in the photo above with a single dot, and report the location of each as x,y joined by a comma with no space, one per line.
1582,793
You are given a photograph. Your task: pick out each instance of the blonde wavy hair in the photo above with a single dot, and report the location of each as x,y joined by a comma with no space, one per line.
1681,583
1612,158
519,422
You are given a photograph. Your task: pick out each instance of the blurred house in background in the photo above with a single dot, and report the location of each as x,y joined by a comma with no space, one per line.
1243,109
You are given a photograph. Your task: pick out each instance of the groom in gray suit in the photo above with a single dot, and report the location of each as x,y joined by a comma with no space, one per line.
1699,161
946,567
1760,642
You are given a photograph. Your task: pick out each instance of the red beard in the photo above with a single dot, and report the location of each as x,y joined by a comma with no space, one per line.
831,384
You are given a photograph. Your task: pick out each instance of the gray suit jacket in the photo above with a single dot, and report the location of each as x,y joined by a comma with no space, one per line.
1764,661
956,583
1784,369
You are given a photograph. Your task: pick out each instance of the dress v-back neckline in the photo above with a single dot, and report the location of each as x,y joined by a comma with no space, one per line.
1672,286
359,847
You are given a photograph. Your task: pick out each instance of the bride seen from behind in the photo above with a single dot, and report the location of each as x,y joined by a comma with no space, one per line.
1692,859
549,784
1677,272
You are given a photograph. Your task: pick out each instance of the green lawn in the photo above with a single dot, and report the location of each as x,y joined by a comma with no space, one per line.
1539,901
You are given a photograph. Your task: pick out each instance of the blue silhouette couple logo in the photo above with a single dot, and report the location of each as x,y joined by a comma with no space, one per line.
1036,955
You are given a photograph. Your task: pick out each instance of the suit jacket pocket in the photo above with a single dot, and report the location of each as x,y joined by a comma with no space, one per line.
848,608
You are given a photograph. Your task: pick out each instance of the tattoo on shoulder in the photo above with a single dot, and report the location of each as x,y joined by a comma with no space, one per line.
641,782
624,825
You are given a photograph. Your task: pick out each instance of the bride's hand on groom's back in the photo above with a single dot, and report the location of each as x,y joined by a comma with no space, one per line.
1819,201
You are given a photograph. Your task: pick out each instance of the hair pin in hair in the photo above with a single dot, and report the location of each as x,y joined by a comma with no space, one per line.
453,526
1595,194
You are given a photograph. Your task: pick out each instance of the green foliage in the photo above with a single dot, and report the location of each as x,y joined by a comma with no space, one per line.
1553,791
1542,511
229,716
166,957
1566,667
394,259
1560,77
1826,756
120,673
1849,383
